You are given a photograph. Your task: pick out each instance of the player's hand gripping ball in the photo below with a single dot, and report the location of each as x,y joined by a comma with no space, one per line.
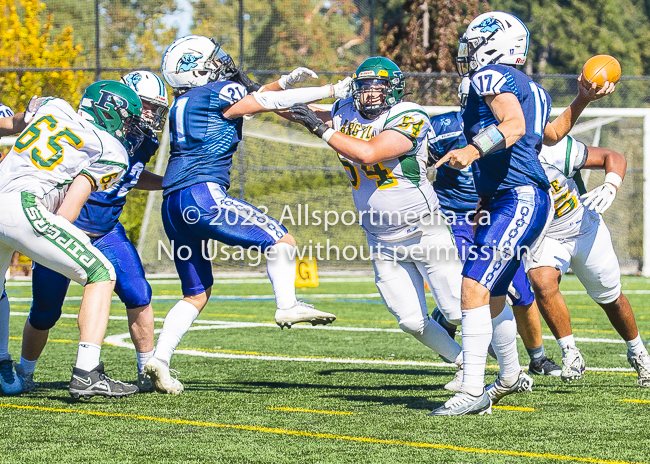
601,69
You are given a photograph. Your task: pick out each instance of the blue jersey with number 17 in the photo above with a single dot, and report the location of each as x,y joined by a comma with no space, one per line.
516,165
202,139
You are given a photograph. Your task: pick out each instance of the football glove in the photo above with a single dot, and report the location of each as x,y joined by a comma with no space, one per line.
32,107
238,75
297,75
343,89
600,198
308,118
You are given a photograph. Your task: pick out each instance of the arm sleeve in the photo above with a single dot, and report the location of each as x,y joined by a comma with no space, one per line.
283,99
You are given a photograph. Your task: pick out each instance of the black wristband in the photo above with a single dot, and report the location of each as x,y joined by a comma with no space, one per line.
320,130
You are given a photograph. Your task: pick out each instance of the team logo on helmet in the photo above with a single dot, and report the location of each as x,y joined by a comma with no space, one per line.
187,62
132,80
112,99
490,25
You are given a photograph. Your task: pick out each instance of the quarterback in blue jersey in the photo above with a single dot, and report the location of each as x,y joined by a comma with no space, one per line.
505,123
458,200
206,120
99,219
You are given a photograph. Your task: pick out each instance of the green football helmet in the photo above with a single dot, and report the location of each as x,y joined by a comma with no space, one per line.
377,74
117,109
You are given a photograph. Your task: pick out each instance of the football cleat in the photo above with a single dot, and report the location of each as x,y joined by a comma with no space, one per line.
640,363
437,316
145,385
544,366
9,381
573,366
26,380
497,390
86,384
455,384
302,312
163,382
463,404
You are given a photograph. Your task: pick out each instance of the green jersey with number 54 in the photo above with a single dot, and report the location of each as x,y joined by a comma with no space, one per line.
392,195
55,148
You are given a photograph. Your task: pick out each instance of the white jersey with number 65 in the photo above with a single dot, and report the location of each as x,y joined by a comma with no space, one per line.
392,195
55,148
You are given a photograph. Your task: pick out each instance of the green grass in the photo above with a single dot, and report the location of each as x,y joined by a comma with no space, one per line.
226,413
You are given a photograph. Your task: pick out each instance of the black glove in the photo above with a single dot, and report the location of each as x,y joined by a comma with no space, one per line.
237,75
308,118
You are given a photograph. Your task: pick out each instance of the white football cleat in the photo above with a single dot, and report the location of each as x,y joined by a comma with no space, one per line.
302,312
158,371
497,390
640,363
573,365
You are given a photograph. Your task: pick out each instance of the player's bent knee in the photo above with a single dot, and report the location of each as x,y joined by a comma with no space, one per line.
606,296
101,272
45,318
413,326
137,295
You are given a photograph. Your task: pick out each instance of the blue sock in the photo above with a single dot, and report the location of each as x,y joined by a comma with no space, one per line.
536,353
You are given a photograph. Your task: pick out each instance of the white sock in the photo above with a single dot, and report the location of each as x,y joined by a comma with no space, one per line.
636,346
142,359
88,356
438,339
504,342
177,322
281,268
4,328
566,343
477,333
28,366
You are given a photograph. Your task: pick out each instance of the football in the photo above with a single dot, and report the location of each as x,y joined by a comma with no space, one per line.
599,69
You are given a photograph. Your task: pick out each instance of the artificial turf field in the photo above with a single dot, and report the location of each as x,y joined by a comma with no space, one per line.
356,391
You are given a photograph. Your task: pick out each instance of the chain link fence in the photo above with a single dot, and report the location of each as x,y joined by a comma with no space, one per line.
279,165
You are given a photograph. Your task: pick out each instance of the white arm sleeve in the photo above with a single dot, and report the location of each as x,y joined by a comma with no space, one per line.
284,99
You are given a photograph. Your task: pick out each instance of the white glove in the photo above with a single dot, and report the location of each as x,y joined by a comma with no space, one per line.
342,89
600,198
297,75
32,107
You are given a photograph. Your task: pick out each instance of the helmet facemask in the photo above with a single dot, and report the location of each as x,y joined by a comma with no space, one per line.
154,114
466,62
219,63
370,96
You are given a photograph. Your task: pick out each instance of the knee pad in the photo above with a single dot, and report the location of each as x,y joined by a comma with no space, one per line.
44,318
413,325
606,296
136,294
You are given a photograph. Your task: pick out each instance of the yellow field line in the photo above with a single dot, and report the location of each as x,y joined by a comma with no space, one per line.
329,436
335,413
634,401
514,408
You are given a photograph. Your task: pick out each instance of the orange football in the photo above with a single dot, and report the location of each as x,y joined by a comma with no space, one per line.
599,69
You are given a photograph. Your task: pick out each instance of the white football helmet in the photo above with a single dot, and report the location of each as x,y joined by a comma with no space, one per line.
463,90
491,38
193,61
151,89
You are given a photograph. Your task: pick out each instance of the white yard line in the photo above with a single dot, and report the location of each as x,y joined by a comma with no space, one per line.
123,340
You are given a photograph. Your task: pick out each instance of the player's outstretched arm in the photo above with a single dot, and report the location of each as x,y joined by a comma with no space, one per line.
287,81
12,125
274,101
149,181
387,145
615,165
512,127
560,126
76,196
